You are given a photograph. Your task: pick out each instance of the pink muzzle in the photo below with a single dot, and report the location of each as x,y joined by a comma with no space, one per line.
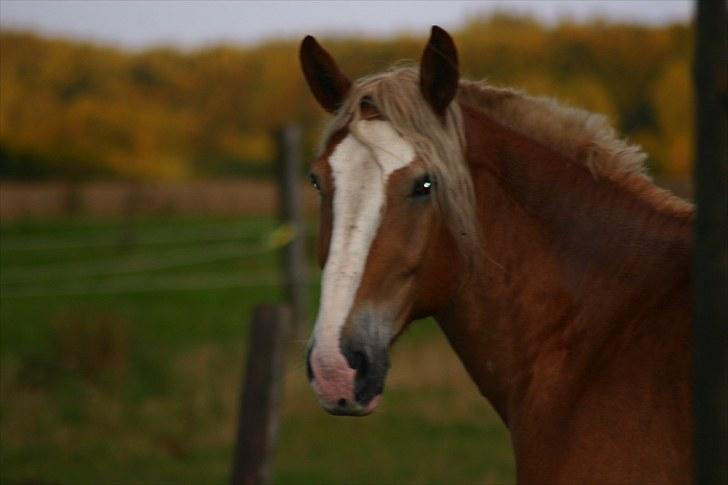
333,381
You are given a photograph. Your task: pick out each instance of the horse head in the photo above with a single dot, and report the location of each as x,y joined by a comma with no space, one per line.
382,232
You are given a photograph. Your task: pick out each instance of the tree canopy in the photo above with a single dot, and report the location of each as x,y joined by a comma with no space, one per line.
78,110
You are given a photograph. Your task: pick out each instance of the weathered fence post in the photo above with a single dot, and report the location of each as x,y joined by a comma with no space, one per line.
288,141
261,395
710,269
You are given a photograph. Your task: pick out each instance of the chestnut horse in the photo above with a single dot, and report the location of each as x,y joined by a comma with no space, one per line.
559,273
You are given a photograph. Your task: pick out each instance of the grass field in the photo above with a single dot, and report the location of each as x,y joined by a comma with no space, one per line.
122,347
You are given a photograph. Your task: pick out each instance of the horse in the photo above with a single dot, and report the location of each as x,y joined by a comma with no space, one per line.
559,273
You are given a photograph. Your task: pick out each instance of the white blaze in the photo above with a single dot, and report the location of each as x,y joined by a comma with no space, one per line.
361,165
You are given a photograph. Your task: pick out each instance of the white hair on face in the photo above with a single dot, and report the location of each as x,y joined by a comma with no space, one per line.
360,166
438,142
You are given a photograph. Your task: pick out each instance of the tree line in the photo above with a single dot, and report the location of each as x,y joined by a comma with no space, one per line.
78,110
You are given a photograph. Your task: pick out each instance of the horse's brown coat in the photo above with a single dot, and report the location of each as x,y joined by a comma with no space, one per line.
576,323
585,319
576,328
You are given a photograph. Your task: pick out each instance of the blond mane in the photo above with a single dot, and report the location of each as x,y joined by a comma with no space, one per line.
575,133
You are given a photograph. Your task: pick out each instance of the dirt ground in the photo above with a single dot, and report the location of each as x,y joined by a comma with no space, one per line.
53,199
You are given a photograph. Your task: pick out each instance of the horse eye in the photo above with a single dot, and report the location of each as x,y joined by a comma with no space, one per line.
314,181
423,186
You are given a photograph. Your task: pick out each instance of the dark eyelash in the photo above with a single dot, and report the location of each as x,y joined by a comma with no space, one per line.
313,179
422,187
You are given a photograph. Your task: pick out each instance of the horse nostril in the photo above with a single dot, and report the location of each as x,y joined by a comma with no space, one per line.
361,364
370,367
358,361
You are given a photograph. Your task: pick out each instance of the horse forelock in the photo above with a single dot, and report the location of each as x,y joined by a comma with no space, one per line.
440,144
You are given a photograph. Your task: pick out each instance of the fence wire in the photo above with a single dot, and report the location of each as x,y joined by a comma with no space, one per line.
112,237
153,262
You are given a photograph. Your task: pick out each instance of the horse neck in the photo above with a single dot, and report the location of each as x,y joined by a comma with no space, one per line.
565,256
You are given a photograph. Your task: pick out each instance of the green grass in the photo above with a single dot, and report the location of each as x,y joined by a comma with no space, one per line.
122,364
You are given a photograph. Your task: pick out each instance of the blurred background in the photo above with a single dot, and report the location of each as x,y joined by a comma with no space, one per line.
139,223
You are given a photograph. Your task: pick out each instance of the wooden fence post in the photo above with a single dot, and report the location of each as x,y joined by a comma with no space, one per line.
710,269
261,395
295,277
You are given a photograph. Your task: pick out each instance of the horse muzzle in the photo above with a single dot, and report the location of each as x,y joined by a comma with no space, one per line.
348,380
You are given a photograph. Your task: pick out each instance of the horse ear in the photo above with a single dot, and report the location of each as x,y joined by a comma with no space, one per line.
439,72
327,83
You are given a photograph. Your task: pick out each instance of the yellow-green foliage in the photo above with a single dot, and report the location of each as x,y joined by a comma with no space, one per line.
79,110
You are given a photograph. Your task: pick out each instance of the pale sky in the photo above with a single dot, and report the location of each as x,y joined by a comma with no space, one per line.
191,24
